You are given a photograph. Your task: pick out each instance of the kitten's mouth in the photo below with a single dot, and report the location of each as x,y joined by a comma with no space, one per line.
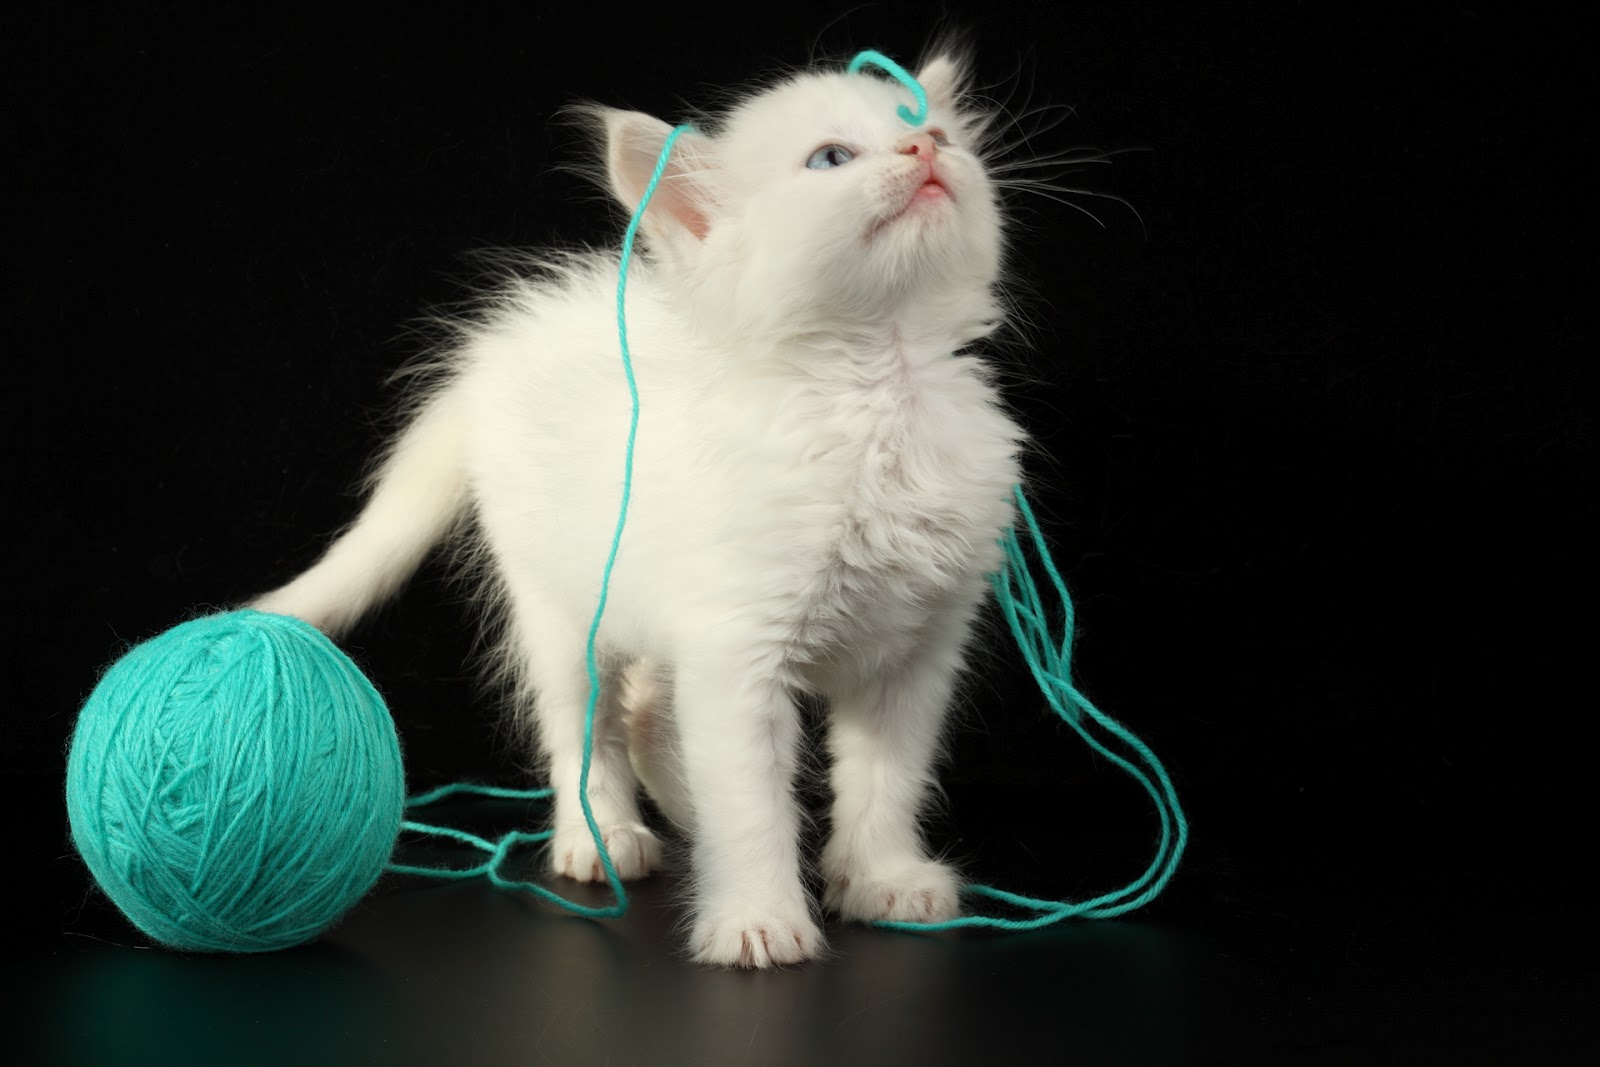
931,191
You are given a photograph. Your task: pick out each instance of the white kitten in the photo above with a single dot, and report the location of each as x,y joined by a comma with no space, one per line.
819,485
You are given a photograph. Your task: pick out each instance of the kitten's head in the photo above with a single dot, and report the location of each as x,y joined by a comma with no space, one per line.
813,205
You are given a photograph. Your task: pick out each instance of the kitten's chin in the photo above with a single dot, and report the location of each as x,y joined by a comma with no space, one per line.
927,203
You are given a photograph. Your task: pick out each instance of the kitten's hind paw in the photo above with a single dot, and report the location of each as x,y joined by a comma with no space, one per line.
920,892
635,852
775,938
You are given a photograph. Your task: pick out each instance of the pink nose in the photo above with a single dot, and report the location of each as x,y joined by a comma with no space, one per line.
921,145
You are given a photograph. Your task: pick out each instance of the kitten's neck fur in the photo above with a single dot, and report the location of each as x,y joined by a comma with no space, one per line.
920,328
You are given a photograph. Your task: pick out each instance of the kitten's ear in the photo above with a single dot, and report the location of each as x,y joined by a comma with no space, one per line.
944,79
682,204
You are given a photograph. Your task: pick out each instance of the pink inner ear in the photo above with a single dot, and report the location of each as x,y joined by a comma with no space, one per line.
695,222
671,203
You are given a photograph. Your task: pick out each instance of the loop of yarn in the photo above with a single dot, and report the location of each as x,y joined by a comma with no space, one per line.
1050,660
235,784
899,74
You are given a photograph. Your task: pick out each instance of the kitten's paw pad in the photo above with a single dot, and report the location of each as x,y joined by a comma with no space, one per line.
924,892
635,852
775,938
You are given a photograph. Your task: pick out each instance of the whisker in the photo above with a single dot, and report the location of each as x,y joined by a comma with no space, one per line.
1067,110
1038,130
1016,118
1005,146
1046,180
1040,186
1081,154
1061,200
1070,164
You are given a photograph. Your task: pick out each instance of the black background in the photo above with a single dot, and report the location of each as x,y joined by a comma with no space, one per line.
1317,418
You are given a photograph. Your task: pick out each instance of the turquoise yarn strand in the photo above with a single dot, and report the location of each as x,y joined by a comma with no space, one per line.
445,792
590,659
499,852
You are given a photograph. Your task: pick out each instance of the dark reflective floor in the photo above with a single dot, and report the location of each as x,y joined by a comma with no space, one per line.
463,974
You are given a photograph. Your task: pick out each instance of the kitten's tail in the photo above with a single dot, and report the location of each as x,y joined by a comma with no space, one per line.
418,496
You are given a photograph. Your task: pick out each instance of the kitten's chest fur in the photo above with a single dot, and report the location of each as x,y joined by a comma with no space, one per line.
908,468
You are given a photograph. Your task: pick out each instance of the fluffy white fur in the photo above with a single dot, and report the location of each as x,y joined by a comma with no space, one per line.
820,480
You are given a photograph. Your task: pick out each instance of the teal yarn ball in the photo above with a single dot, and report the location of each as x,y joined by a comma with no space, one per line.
235,784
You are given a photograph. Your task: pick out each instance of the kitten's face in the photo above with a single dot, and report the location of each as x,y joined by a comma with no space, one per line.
816,199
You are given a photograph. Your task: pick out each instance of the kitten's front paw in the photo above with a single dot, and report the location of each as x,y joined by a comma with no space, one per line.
635,852
771,937
920,891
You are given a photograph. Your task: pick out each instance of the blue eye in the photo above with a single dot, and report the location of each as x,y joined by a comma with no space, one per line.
830,155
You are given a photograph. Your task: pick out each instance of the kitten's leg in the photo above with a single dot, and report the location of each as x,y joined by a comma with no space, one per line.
653,747
739,732
553,653
883,738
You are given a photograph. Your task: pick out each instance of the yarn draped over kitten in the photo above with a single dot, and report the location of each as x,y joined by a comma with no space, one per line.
1049,657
